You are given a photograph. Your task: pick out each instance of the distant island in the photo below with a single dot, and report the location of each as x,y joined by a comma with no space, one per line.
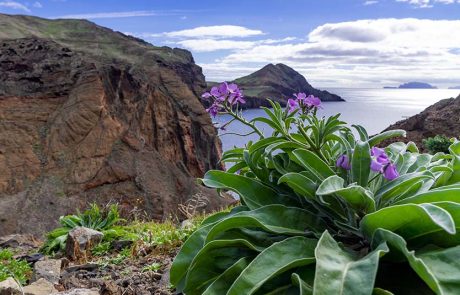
412,85
277,82
455,87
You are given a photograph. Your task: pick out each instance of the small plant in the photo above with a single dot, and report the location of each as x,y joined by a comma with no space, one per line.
152,267
325,212
437,144
20,270
101,220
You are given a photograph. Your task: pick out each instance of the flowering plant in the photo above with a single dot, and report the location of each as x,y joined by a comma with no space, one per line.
326,212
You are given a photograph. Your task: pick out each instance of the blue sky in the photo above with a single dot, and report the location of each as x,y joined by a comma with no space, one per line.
342,43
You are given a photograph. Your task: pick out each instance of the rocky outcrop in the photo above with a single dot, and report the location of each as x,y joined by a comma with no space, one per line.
277,82
441,118
92,115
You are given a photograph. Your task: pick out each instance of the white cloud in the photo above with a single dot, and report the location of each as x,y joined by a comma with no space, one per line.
209,45
14,5
370,2
427,3
222,31
357,53
37,4
110,14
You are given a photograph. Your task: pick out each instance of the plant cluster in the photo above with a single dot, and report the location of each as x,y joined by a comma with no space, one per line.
325,211
20,270
103,220
437,144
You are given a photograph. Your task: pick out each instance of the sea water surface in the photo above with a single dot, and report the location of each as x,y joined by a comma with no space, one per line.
375,109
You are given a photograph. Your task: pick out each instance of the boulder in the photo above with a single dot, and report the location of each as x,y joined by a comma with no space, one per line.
49,270
40,287
92,115
10,287
80,241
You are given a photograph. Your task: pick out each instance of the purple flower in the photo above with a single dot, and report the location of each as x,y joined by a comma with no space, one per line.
215,91
206,95
390,172
300,97
292,104
236,94
213,110
312,101
376,166
343,162
376,152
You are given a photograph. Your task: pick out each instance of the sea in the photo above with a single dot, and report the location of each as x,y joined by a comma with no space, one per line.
375,109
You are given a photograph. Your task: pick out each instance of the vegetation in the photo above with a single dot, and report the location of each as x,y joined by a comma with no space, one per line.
20,270
95,218
325,212
437,144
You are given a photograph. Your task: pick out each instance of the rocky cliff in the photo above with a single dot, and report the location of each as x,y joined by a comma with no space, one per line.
440,118
88,114
277,82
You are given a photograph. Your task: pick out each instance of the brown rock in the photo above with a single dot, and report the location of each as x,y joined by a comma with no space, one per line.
40,287
442,118
94,115
49,269
79,292
80,241
10,287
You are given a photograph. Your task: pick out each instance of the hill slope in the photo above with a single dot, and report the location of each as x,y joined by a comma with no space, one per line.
88,114
277,82
441,118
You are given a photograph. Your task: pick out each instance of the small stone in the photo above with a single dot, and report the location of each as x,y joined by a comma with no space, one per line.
80,292
40,287
10,287
49,270
80,241
186,224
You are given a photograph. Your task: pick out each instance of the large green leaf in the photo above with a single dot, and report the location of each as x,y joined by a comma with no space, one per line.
375,140
416,223
343,272
301,184
254,193
317,168
359,198
225,280
276,259
440,269
304,287
455,164
273,218
438,195
361,163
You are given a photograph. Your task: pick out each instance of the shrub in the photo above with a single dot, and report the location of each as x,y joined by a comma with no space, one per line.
95,218
437,144
325,212
20,270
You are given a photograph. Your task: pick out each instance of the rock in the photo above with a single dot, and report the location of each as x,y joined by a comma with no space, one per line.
277,82
186,224
80,292
49,270
439,119
92,115
80,241
40,287
22,244
10,287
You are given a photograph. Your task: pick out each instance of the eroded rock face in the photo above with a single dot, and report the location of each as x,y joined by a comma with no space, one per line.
76,127
442,118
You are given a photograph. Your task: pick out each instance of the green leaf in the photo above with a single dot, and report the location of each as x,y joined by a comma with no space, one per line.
359,198
362,132
225,280
375,140
313,164
343,272
439,269
254,193
439,195
361,163
455,164
379,291
272,218
276,259
301,184
304,288
411,221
